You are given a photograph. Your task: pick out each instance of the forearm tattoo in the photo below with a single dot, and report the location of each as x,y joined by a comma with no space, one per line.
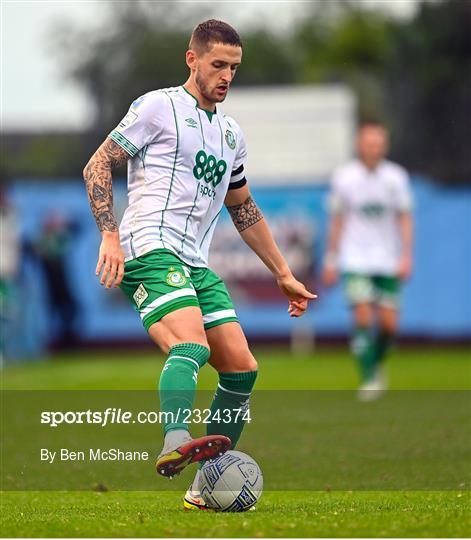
245,215
97,176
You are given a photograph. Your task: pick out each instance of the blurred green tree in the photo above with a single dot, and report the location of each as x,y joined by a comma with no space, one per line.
349,45
428,90
415,74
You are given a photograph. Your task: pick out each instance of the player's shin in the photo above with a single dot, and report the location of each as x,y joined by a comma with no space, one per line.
384,342
230,402
362,347
230,406
177,388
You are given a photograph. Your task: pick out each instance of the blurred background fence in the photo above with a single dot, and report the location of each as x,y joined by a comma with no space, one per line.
435,303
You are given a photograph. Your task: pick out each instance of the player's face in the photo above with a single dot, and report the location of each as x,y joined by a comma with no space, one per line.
372,144
215,70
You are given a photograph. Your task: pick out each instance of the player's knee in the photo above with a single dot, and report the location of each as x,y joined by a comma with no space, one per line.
247,362
363,316
252,365
388,327
388,322
237,361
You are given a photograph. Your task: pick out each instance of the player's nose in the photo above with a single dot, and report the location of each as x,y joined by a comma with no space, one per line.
227,75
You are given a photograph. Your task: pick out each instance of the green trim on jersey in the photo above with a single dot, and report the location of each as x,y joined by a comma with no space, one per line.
209,114
142,155
222,138
209,228
201,127
189,216
159,283
124,143
173,168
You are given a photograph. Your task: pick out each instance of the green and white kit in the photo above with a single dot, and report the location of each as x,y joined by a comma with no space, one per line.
158,283
368,289
369,202
183,161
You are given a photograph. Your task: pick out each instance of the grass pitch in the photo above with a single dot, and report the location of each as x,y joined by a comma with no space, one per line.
291,514
280,513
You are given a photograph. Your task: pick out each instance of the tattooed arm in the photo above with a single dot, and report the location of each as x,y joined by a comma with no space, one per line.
255,232
98,181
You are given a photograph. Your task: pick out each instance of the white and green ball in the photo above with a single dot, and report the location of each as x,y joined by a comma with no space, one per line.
232,482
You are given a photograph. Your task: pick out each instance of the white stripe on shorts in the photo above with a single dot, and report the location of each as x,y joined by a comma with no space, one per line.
165,299
216,315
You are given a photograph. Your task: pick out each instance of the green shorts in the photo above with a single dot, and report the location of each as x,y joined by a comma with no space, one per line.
367,289
159,282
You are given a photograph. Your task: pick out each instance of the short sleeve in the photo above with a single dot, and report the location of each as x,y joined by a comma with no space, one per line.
404,202
238,179
140,126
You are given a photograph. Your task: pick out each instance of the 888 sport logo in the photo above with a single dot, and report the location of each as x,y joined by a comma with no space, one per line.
209,169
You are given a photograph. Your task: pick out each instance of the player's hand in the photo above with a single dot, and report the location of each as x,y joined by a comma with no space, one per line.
110,260
297,293
329,275
405,267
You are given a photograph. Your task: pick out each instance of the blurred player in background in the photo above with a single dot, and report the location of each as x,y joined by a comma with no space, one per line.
185,161
370,244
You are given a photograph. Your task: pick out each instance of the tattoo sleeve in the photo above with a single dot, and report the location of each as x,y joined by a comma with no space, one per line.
97,176
245,215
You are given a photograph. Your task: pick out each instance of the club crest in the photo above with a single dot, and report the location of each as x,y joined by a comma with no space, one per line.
230,139
175,278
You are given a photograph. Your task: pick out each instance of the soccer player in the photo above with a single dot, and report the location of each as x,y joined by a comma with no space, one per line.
185,161
370,243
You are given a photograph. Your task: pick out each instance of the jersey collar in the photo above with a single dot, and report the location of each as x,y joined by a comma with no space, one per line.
374,171
209,114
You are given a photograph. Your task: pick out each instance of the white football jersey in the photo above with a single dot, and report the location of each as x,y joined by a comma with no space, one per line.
183,161
370,201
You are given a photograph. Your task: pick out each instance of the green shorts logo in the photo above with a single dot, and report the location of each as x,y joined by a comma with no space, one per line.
175,278
230,139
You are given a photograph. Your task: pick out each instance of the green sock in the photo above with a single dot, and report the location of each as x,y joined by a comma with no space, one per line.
178,382
363,348
233,392
383,344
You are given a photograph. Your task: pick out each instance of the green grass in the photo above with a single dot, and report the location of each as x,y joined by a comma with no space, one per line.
329,368
291,514
322,512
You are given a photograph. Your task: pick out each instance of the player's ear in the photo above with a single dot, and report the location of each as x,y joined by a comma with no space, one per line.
191,59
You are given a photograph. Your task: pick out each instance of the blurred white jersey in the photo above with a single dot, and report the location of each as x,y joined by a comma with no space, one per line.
369,202
183,161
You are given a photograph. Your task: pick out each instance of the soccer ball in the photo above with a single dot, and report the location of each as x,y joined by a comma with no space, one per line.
232,482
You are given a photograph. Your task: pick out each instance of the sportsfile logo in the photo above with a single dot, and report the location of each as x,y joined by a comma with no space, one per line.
113,415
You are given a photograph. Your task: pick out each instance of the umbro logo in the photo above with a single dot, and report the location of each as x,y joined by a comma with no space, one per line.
191,123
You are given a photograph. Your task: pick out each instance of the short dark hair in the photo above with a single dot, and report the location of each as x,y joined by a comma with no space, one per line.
371,122
213,31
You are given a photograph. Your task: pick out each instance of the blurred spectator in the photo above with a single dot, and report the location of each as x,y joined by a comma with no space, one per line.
9,263
51,249
370,243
